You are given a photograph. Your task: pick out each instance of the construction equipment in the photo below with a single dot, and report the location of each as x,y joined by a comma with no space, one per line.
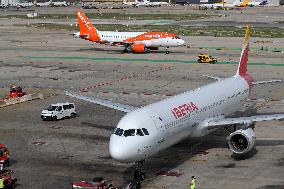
16,91
206,58
9,181
4,155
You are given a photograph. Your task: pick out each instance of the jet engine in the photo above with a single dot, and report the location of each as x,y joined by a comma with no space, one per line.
138,48
242,141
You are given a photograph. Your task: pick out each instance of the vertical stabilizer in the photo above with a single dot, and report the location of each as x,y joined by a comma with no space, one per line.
244,3
87,30
242,69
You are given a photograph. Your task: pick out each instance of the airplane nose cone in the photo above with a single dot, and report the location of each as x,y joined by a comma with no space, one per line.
117,149
182,42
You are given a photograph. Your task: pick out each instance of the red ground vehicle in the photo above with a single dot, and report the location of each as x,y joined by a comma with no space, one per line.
96,183
9,181
16,91
4,155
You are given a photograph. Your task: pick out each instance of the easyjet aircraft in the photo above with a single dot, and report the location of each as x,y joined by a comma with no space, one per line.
145,131
136,42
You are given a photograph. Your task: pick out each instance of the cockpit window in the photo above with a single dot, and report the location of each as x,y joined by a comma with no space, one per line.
139,132
129,132
145,131
176,37
118,131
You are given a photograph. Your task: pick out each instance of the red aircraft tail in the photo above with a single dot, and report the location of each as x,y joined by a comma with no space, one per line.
87,30
242,69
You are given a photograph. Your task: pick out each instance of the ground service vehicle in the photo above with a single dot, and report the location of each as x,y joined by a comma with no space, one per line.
58,111
16,91
96,183
4,155
9,181
205,58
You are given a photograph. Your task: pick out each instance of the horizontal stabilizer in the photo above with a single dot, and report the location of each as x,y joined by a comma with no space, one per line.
265,82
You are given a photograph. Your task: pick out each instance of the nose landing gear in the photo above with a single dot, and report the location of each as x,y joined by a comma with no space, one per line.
139,173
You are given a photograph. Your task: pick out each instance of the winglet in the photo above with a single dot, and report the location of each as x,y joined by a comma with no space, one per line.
86,28
242,69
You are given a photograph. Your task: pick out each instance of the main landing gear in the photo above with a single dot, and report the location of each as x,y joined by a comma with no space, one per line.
167,51
125,50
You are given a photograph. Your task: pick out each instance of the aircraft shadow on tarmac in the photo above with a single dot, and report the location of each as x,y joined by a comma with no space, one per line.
169,159
176,155
272,187
119,51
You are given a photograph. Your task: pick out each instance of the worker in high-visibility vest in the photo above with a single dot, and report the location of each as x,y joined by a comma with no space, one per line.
1,183
192,183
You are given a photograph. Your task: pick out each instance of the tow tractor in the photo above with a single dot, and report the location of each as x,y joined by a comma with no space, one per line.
206,58
4,155
9,181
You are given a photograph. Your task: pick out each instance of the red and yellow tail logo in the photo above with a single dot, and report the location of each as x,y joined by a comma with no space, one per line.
242,70
86,28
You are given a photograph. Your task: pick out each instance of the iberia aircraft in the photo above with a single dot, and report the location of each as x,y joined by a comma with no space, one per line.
136,42
144,132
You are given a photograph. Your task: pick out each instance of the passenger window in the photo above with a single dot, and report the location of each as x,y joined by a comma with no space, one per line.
71,106
129,132
139,132
59,108
145,131
118,131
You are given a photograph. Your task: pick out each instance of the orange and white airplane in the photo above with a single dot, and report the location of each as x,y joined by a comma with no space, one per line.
136,42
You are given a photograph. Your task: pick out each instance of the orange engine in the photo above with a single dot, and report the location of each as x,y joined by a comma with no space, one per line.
153,48
138,48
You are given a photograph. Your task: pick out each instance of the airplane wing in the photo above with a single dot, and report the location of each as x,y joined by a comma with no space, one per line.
212,77
107,103
212,124
264,82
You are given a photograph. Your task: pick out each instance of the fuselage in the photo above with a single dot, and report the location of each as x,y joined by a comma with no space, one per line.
149,39
137,42
148,130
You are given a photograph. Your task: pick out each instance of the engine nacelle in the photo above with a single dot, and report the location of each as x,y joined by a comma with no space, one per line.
138,48
242,141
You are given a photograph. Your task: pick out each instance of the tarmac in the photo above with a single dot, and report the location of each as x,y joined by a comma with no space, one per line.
52,154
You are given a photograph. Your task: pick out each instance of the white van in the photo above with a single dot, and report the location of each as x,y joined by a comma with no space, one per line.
58,111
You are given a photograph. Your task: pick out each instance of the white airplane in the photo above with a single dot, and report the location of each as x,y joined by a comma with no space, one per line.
59,4
45,4
254,3
144,132
145,3
25,4
223,4
136,42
